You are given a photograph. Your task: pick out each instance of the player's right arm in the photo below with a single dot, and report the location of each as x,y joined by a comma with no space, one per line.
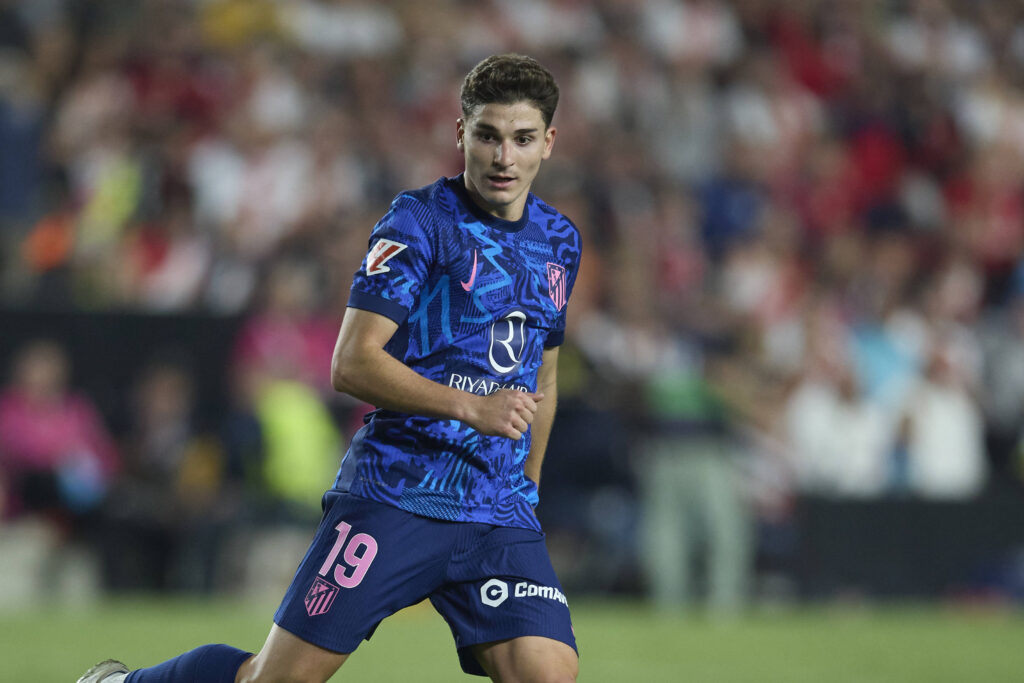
362,368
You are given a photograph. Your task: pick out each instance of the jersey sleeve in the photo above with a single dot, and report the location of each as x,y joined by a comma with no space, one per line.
569,254
397,262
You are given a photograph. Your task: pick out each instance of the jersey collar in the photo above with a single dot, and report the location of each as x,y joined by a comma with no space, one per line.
457,184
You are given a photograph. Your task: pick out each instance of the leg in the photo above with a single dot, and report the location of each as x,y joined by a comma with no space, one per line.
286,658
205,664
367,561
667,528
528,659
335,600
506,609
730,540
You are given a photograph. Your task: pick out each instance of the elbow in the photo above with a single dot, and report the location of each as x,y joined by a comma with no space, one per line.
341,374
337,379
354,367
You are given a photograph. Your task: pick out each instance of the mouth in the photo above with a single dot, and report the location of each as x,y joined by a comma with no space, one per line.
500,182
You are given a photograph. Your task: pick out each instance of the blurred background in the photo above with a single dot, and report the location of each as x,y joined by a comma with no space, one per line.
794,369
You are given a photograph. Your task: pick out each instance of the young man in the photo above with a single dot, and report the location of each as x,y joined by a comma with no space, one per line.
452,330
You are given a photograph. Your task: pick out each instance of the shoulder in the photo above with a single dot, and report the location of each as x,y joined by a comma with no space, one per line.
437,194
559,227
421,195
543,212
427,204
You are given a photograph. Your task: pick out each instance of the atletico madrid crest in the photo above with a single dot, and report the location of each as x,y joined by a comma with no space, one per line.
556,285
320,597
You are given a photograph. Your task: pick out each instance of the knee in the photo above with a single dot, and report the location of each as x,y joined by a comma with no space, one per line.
568,676
545,675
529,659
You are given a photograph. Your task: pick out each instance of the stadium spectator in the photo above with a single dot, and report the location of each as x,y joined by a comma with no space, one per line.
945,445
168,260
177,500
698,543
281,360
22,126
840,440
1001,335
287,337
55,450
57,463
46,249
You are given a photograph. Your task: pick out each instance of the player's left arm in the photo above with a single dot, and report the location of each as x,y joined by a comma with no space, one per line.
545,416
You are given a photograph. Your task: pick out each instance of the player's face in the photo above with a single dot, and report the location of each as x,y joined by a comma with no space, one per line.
503,145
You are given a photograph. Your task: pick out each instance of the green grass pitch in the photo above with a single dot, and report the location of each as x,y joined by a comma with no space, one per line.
620,642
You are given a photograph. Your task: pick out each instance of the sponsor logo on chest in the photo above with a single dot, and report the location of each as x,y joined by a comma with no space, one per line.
508,340
480,385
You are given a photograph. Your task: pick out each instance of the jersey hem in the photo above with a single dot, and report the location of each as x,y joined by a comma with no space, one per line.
524,509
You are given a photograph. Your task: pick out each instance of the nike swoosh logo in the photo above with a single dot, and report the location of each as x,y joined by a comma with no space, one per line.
472,278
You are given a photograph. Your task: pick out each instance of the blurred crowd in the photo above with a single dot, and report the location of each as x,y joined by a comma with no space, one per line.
804,230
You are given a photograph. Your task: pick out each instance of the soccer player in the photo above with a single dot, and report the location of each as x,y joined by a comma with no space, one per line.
452,330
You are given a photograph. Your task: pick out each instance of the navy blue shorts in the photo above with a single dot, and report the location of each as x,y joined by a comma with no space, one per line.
369,560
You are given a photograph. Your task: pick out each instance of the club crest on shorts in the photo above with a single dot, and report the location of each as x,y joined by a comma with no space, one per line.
556,285
320,597
382,252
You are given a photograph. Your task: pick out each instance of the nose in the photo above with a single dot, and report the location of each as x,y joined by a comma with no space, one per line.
503,154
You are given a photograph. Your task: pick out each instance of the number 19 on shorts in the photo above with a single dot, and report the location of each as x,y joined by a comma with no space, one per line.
357,555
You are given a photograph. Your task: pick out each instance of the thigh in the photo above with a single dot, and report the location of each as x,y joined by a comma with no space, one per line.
528,658
502,588
367,561
286,657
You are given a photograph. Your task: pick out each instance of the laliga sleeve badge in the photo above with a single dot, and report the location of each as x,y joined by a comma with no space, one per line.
382,252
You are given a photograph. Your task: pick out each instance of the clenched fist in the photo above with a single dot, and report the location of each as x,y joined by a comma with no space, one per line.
506,412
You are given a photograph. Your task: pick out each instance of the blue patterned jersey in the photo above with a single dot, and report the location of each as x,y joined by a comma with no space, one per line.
476,299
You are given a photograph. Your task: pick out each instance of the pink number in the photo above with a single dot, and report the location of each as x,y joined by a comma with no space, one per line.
360,561
343,528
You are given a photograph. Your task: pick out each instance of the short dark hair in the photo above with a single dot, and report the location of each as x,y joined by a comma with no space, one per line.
507,79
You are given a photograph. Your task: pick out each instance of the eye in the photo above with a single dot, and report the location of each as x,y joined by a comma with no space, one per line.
524,139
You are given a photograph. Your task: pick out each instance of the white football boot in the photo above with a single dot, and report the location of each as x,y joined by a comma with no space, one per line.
110,671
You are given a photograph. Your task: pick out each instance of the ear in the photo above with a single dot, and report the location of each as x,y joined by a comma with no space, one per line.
460,133
549,141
